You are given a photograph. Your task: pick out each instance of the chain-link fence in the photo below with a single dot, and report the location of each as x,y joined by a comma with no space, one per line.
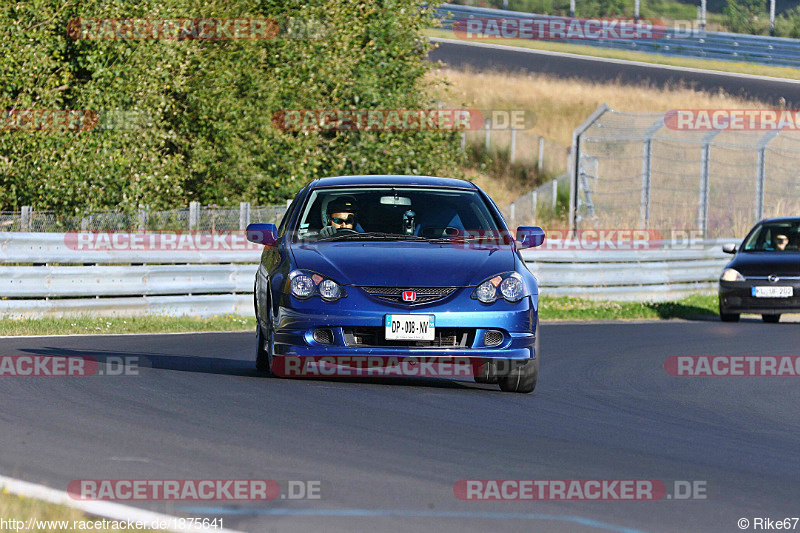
637,171
194,217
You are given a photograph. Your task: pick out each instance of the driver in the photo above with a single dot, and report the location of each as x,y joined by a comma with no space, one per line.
781,241
342,214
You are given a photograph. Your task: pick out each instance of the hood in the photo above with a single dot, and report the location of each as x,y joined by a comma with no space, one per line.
407,264
766,263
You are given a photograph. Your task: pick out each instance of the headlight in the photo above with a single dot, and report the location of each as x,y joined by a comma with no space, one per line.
304,284
509,286
512,288
730,274
329,290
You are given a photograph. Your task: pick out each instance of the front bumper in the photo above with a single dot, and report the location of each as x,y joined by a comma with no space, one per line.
737,297
297,320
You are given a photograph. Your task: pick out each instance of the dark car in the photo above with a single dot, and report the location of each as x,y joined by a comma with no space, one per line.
398,267
764,277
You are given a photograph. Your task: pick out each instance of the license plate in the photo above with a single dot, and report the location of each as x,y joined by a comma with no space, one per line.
409,327
772,292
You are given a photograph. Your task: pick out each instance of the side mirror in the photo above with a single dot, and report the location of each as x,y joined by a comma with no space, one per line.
265,234
729,248
529,236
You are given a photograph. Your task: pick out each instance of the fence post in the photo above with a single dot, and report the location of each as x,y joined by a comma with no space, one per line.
702,212
540,161
575,167
142,217
644,207
488,132
244,214
194,215
761,172
513,143
513,215
463,141
555,193
25,221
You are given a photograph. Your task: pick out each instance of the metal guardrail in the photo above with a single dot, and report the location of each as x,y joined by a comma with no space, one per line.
775,51
213,283
667,273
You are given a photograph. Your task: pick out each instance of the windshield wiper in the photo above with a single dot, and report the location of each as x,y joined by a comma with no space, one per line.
372,235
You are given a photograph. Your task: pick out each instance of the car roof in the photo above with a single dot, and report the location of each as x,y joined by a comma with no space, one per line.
780,219
391,179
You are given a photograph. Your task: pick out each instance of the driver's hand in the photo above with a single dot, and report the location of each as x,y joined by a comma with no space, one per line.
327,231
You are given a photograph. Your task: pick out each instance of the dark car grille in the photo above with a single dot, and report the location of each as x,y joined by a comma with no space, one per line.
374,336
395,294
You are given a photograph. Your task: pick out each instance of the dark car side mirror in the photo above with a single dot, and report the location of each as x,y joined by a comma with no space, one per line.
529,236
265,234
729,248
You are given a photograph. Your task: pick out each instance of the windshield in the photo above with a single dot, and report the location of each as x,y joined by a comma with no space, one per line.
774,237
394,213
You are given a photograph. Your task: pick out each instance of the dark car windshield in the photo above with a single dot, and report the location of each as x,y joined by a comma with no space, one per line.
774,237
394,213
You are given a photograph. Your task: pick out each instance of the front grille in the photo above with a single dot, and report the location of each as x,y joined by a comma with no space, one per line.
374,336
395,294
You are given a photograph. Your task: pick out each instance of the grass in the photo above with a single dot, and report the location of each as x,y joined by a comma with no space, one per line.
724,66
143,324
565,308
561,105
13,507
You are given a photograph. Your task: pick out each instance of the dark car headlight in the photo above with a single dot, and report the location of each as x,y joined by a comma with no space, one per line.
304,284
508,286
729,274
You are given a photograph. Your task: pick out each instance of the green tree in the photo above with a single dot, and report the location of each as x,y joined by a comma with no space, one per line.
204,130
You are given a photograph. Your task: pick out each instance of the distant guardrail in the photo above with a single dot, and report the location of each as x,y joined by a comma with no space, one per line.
63,281
688,42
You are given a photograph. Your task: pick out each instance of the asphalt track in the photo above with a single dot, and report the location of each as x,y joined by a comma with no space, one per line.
389,451
774,91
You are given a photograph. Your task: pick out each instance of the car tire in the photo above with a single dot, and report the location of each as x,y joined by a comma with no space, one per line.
262,355
485,372
522,375
771,319
729,317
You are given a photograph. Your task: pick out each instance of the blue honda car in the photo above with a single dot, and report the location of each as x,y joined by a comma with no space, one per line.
400,267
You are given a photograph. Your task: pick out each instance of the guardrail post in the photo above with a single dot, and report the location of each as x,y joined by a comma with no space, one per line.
513,215
25,219
194,215
644,208
555,194
244,214
488,132
761,172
